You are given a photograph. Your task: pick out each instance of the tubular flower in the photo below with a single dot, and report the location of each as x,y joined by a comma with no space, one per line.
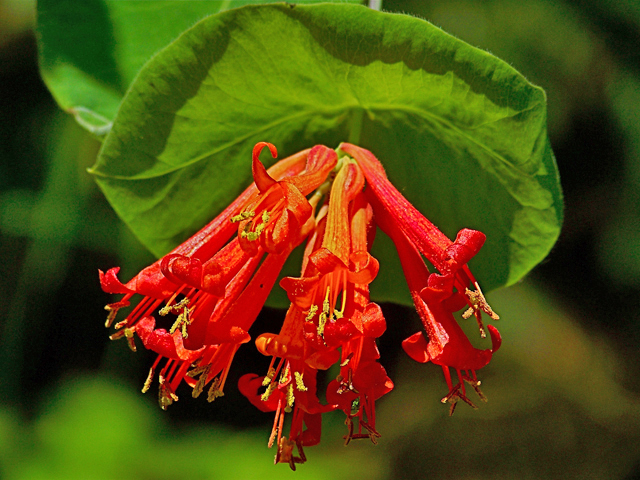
435,295
200,301
211,287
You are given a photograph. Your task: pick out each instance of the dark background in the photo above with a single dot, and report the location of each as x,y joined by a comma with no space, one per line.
563,390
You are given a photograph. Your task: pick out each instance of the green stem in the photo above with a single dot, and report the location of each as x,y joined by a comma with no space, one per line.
355,128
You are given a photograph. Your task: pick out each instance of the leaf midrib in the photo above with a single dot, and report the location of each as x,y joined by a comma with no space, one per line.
342,109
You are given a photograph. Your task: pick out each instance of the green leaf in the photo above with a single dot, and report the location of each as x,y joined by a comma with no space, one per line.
91,51
460,132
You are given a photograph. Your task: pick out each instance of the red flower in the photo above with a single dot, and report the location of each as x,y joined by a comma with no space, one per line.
222,289
330,320
435,296
213,286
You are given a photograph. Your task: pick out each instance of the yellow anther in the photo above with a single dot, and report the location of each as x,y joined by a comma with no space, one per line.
270,374
326,310
326,306
183,320
117,335
299,383
165,395
214,390
312,312
322,321
284,376
111,316
478,302
338,314
184,330
242,216
255,234
147,382
175,308
290,398
247,233
199,386
197,370
128,332
121,324
267,393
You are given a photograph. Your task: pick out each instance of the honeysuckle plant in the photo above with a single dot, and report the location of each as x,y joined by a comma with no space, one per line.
385,122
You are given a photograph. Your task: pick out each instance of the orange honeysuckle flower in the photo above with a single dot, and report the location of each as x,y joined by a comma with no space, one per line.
221,286
435,296
337,269
213,286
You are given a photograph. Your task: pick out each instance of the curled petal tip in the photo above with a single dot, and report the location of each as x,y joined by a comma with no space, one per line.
496,339
180,269
110,283
467,244
416,347
260,176
257,149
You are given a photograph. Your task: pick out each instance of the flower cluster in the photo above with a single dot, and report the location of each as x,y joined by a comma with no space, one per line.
214,285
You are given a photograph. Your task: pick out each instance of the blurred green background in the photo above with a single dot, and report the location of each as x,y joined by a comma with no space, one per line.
563,390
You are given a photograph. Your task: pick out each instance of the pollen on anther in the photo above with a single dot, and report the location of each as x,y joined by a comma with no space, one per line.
128,333
312,312
242,216
265,396
147,382
290,398
267,379
299,383
121,324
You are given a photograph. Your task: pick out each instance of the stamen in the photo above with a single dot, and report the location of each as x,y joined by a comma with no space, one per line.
183,320
128,332
326,310
299,383
121,324
347,438
478,304
165,395
347,360
475,384
265,396
200,384
344,295
453,396
322,321
269,377
175,308
290,398
253,236
111,316
312,312
242,216
275,430
214,391
284,376
149,380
